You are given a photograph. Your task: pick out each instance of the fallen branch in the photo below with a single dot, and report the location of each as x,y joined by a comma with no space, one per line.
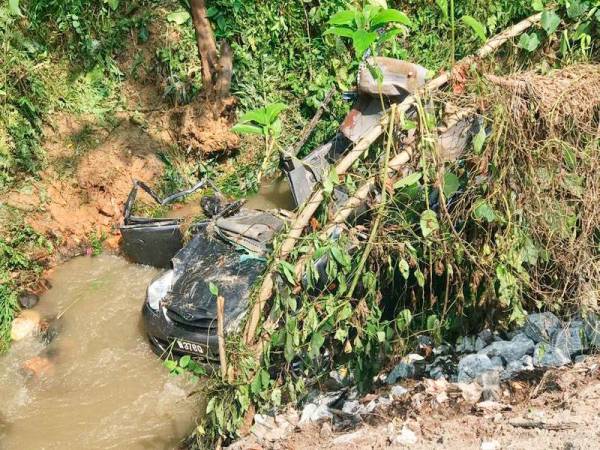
310,207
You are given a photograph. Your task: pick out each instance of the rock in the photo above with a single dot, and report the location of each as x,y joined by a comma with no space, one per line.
546,355
592,330
540,327
274,428
406,437
26,325
484,338
442,366
409,367
489,407
490,384
509,351
438,389
466,344
471,366
326,431
580,358
28,300
514,367
490,445
471,392
314,413
376,403
398,391
572,339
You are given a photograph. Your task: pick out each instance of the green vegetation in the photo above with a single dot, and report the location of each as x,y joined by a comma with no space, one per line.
440,263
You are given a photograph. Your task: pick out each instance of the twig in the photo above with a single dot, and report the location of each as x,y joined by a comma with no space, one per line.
380,209
221,335
312,124
521,423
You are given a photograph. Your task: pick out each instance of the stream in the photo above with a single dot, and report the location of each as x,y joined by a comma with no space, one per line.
105,389
99,386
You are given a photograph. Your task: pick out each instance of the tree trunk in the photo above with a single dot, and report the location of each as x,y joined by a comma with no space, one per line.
207,47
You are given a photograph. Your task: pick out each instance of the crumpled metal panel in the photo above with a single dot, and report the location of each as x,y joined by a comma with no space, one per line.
399,78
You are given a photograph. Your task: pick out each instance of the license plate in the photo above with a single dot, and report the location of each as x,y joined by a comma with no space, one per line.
190,347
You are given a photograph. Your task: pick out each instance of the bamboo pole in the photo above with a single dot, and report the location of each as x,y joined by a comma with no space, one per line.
309,208
221,335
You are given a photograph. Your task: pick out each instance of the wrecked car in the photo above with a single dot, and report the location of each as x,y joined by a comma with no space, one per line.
228,251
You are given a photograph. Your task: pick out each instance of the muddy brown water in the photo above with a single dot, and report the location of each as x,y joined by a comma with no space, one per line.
105,388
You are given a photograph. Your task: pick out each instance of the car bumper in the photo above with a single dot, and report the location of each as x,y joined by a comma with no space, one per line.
170,339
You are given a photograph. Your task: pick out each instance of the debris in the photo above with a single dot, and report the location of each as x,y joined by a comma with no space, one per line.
318,409
274,428
514,367
471,366
546,355
406,437
398,391
540,327
490,406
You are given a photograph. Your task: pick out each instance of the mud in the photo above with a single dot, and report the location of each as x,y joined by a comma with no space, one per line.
97,385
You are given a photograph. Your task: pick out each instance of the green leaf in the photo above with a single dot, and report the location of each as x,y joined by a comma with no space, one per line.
389,35
420,278
404,268
381,336
404,320
550,21
184,361
345,17
178,17
569,158
276,397
362,40
259,116
242,128
576,8
390,16
114,4
288,271
429,222
451,184
408,180
255,386
479,140
483,210
529,41
170,364
537,5
316,342
212,287
13,7
476,26
340,31
273,110
443,5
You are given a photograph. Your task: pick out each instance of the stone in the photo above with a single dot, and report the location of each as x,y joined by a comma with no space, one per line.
28,300
376,403
540,327
466,344
484,338
353,408
592,330
509,351
471,392
406,437
572,339
471,366
326,431
490,384
515,367
348,438
441,366
26,325
490,445
546,355
315,413
398,391
409,367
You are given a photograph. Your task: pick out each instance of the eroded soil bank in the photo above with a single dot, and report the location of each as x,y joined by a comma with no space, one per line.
96,385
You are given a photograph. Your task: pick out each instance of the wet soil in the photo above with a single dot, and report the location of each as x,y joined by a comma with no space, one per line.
97,385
